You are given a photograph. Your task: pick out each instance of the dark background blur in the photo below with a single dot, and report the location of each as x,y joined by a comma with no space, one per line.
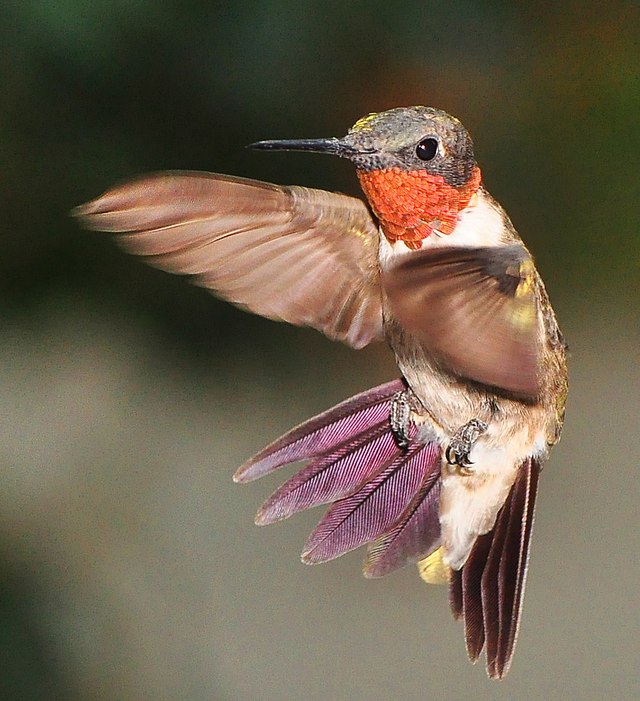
129,564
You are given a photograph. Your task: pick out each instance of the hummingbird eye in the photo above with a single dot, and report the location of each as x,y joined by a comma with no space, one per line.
427,149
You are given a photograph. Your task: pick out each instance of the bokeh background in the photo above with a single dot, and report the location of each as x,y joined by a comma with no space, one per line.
129,564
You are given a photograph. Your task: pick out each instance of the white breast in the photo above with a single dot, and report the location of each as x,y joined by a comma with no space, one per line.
479,224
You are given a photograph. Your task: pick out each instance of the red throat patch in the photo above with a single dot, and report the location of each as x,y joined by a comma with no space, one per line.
412,204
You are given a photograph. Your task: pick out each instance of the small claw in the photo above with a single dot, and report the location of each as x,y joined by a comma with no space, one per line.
400,418
457,452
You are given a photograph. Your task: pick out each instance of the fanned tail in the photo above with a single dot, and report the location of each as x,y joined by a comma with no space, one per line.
488,591
389,498
380,493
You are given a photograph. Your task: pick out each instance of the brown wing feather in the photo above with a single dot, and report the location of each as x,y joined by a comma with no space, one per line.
294,254
475,310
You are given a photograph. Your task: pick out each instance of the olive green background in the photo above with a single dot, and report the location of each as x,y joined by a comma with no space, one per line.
129,564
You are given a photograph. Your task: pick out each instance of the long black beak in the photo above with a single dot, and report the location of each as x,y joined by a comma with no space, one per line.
337,147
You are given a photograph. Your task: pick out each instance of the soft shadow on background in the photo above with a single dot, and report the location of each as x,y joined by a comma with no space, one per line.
129,564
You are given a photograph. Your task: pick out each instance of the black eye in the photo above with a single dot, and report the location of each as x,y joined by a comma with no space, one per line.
427,149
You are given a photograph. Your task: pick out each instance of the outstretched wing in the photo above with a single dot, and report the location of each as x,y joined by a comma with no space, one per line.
475,311
487,593
294,254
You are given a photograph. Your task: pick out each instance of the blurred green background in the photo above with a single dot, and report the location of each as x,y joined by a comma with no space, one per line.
129,565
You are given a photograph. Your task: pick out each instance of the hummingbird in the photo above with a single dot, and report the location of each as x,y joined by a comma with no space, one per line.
439,467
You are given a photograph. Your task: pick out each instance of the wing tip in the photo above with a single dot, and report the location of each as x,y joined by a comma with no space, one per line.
84,213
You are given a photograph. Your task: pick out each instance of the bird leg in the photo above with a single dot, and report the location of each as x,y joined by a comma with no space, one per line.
402,405
457,453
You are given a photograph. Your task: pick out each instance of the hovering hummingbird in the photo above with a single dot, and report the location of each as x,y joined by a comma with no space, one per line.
441,466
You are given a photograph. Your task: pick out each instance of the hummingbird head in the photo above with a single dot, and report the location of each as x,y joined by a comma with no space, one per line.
415,164
413,139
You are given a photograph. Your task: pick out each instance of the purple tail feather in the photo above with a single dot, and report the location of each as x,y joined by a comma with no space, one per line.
324,432
417,534
380,493
370,511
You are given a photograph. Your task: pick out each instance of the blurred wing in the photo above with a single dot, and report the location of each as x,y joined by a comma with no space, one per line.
475,310
294,254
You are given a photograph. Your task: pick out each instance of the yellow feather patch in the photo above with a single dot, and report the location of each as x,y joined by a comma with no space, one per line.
433,570
526,274
364,123
523,308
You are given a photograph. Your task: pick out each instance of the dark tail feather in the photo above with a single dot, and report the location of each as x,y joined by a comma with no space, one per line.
474,633
514,563
417,533
455,594
489,590
323,433
370,511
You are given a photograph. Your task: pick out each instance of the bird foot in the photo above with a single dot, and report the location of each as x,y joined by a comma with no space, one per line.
402,404
462,441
